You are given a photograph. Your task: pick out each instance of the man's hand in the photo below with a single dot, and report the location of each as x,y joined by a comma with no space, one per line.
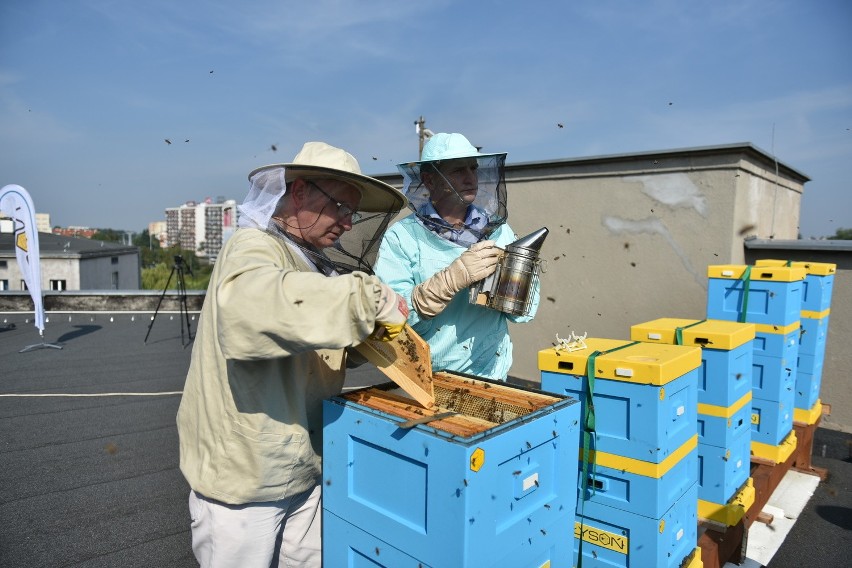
479,261
474,264
392,315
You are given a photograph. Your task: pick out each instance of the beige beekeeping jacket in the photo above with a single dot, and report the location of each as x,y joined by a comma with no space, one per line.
269,349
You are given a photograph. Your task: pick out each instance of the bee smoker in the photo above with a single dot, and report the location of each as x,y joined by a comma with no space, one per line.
509,288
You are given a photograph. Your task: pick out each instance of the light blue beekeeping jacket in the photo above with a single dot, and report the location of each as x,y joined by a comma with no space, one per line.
464,337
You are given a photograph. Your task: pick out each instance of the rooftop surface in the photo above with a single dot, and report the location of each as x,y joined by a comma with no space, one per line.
89,454
57,246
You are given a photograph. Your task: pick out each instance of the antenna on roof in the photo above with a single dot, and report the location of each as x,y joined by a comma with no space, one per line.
423,133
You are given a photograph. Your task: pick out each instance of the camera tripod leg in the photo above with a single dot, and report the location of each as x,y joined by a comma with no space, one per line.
184,310
157,309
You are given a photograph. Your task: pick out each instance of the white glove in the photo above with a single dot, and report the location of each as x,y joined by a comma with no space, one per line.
391,316
479,261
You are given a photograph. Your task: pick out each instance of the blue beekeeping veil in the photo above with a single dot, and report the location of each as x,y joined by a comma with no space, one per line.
440,153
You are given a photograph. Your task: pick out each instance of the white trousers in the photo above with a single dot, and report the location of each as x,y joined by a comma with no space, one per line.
286,533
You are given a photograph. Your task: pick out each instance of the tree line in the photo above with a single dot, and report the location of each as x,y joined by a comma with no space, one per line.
158,263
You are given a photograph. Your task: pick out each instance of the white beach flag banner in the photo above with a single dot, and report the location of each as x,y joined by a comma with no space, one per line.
16,203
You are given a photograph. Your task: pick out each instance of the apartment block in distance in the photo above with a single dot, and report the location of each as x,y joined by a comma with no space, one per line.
201,227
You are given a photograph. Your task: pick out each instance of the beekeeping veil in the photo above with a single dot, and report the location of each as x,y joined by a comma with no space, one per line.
490,204
357,248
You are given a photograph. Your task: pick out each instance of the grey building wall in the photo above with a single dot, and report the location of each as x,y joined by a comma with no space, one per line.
632,236
97,273
83,264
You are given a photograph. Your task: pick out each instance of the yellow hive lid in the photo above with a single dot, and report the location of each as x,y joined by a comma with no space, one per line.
815,268
719,334
713,334
776,273
575,362
660,330
648,363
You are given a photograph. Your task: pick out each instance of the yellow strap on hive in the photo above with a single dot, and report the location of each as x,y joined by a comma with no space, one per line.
639,467
724,411
777,329
815,315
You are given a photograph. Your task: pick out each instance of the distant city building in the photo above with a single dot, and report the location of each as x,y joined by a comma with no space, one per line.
201,227
69,263
157,231
79,232
42,223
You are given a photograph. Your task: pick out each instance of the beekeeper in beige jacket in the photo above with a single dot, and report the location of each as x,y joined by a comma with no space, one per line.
286,298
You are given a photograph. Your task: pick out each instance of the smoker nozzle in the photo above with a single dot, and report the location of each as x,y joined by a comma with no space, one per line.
531,242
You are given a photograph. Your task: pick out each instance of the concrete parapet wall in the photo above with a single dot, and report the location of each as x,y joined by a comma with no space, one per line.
103,301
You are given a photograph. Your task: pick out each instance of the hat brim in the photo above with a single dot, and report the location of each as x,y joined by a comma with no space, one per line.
449,159
376,196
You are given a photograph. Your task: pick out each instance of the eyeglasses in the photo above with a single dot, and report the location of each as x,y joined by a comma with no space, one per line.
343,210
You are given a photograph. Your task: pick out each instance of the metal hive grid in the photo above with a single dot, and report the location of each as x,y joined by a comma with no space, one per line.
462,401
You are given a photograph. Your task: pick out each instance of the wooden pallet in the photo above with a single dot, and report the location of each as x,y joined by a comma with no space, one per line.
722,545
805,435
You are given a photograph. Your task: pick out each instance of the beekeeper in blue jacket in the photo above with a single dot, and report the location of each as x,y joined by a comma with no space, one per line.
453,238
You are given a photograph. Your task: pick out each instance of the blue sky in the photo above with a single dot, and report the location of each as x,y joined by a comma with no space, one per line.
89,90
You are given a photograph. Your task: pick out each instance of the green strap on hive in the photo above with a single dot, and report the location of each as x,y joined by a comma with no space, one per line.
679,332
746,278
588,432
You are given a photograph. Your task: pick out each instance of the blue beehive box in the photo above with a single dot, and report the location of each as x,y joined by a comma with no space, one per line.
770,295
644,488
777,341
771,420
490,484
772,377
644,394
723,470
355,547
719,426
730,512
612,537
818,283
810,364
807,389
813,334
726,353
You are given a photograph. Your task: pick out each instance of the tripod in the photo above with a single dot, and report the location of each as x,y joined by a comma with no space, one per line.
178,268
